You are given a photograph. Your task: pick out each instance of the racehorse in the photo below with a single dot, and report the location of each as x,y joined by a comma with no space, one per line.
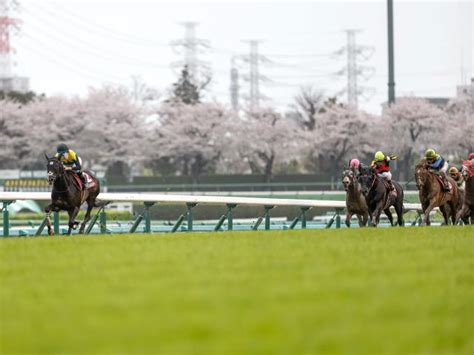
431,194
68,194
355,201
467,209
379,197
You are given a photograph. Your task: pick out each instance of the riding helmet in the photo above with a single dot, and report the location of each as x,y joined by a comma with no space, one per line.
62,148
379,156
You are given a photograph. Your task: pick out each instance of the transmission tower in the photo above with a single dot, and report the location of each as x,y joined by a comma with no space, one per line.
355,55
254,78
234,85
8,24
190,47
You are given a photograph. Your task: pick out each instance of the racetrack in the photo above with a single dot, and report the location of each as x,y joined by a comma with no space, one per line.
367,291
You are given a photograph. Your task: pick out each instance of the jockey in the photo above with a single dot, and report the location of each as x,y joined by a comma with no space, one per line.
71,161
354,165
471,157
457,176
382,167
437,165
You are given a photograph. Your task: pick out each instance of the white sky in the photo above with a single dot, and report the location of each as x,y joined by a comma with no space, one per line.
67,46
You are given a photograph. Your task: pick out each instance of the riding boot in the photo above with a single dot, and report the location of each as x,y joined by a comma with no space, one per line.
83,179
391,187
445,182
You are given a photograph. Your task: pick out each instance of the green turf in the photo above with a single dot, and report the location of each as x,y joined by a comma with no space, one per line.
384,291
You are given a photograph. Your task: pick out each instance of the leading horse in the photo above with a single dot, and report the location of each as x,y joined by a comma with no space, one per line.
68,194
431,194
379,198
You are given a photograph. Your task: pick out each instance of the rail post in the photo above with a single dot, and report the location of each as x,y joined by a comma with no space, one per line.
230,217
103,221
267,216
146,215
136,223
56,222
93,221
6,218
338,218
189,206
303,216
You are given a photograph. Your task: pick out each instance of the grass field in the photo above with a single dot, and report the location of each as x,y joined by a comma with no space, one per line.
385,291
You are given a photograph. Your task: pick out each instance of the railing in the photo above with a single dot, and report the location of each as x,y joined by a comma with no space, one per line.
150,199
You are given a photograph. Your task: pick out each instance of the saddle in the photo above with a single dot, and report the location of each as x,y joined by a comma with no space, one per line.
441,184
393,193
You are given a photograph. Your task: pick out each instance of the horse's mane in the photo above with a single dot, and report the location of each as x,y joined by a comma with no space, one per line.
422,163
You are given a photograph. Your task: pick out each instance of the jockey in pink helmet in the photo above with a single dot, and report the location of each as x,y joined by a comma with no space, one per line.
354,165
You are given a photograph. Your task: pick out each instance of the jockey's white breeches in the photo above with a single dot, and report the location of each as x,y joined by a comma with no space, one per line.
387,175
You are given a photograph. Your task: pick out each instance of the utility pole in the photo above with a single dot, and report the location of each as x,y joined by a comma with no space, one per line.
391,59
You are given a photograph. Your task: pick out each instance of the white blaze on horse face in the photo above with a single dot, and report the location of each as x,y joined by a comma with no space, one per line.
51,163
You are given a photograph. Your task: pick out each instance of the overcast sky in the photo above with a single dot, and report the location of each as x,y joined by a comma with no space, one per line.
67,46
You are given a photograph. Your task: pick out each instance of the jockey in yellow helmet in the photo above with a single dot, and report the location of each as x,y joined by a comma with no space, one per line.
438,165
382,167
70,160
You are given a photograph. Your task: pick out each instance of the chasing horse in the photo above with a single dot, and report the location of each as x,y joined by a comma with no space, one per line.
380,191
436,189
467,210
355,201
71,188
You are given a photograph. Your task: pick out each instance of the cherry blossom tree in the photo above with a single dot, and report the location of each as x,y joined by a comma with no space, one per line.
460,112
191,136
263,138
408,127
342,133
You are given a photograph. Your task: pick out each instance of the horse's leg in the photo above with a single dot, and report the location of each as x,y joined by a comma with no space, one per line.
461,213
389,215
399,210
427,211
377,212
48,210
445,213
365,218
348,219
72,217
87,217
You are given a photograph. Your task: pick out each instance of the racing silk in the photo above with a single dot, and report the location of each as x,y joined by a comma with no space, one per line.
71,159
437,164
381,167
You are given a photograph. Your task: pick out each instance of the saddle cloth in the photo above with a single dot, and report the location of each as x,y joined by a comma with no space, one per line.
89,181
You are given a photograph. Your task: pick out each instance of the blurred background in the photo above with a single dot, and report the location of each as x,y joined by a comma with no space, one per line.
230,96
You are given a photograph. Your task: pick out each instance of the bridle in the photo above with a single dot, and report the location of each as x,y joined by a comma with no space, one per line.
53,175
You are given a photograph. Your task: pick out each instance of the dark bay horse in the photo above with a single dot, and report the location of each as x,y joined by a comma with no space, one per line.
355,201
379,198
432,195
467,209
68,194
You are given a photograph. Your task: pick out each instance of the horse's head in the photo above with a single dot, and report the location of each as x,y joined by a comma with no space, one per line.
348,178
366,179
54,168
421,173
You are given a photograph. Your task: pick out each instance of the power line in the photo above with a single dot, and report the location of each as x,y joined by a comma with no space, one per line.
87,24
